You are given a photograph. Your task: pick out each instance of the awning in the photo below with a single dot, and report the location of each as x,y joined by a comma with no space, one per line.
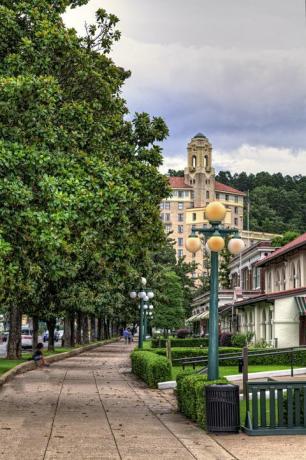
301,304
204,315
192,318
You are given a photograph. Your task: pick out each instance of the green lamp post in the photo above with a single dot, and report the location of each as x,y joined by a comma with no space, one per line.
215,213
144,296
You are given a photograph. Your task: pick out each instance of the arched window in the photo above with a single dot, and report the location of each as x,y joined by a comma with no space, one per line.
284,279
264,323
298,274
293,275
194,161
278,282
205,161
269,281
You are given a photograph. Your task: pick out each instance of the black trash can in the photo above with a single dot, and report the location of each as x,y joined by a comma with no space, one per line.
222,408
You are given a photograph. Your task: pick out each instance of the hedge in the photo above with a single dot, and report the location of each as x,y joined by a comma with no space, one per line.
190,392
299,357
150,367
189,342
178,353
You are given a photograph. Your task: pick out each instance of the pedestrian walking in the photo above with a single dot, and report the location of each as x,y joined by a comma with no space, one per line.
126,335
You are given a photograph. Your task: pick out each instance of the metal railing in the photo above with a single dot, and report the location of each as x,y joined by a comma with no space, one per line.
276,408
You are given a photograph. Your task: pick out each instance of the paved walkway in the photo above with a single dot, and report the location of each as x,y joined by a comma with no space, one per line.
91,407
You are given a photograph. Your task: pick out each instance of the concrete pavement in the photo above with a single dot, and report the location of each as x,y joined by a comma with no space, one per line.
92,407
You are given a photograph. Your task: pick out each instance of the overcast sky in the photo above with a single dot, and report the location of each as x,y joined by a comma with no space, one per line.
233,69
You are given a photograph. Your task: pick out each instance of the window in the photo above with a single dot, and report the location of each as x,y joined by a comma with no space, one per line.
236,210
236,199
180,241
226,197
236,221
168,228
192,195
180,217
161,205
167,205
269,282
187,193
277,281
180,229
193,227
207,194
293,275
162,217
298,274
283,279
180,253
194,216
194,161
180,193
217,196
181,206
167,217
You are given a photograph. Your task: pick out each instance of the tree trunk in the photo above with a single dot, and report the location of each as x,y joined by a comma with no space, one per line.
100,334
14,340
106,329
79,328
51,323
67,330
85,329
93,328
72,325
35,332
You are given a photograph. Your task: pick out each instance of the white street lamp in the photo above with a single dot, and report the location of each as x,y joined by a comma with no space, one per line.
150,295
133,295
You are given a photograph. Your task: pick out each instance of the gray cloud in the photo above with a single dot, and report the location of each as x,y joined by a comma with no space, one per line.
234,69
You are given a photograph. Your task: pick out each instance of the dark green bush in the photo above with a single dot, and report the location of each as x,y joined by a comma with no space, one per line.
299,357
150,367
189,342
178,353
191,395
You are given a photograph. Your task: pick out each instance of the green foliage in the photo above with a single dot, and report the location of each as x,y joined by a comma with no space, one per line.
191,395
284,239
150,367
188,342
80,186
277,202
169,312
241,340
175,173
224,272
178,353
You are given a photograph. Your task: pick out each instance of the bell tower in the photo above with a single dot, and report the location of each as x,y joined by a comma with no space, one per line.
199,172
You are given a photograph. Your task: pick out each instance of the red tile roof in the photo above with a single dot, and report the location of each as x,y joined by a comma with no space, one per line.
226,188
178,182
298,242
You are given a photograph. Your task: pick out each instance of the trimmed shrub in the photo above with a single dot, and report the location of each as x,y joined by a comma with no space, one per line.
191,395
283,359
189,342
178,353
150,367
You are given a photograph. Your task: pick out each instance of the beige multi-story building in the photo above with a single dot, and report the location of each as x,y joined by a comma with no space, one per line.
185,209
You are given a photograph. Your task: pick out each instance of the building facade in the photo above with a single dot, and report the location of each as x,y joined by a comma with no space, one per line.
185,209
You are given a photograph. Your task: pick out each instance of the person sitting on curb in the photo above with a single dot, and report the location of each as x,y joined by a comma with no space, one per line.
38,356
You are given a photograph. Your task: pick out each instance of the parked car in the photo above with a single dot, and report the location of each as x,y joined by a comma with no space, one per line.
26,337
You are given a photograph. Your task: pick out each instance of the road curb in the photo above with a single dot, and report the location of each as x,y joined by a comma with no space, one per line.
30,365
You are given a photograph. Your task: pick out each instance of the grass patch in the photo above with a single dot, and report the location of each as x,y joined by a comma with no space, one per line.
232,370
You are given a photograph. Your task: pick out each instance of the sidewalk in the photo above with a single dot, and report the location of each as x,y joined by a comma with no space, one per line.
92,407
